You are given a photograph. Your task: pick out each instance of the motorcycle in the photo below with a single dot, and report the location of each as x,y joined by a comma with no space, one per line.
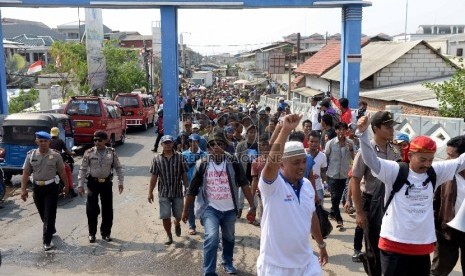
69,161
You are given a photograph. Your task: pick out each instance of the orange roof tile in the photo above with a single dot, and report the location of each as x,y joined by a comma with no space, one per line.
322,61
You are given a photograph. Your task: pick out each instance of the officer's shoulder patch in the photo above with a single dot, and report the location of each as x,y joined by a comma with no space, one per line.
89,150
110,148
31,151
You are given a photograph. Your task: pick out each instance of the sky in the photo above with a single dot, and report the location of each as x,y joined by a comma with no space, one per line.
219,31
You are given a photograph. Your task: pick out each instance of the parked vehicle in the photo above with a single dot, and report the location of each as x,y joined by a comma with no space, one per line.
138,108
18,137
2,185
90,114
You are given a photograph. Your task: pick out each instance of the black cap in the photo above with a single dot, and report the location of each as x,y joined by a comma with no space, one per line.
101,134
383,118
217,136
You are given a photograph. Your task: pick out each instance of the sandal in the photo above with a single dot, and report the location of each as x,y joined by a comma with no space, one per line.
192,232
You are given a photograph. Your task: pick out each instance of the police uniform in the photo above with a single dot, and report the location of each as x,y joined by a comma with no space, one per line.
44,168
96,168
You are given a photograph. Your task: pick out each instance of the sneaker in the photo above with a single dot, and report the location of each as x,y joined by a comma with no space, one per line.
230,269
107,238
331,216
154,150
48,246
91,239
356,257
340,224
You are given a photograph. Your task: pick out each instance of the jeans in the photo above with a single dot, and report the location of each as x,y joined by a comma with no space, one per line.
212,221
45,199
191,217
337,187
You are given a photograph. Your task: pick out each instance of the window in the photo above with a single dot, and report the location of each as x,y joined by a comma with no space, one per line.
73,35
128,101
84,107
459,52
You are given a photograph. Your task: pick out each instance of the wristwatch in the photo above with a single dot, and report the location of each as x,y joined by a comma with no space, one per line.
322,245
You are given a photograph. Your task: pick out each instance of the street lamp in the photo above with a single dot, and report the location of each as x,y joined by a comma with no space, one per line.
183,56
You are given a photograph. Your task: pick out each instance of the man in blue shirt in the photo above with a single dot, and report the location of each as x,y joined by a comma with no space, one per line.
191,155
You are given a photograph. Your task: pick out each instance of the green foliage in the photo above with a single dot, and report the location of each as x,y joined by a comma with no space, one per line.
71,65
23,100
124,73
451,95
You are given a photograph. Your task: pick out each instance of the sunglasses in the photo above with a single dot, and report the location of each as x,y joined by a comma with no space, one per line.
98,140
213,144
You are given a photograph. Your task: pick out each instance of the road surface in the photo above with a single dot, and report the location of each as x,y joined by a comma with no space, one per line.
138,235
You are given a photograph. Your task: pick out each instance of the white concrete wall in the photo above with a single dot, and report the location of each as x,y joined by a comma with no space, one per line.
420,63
317,83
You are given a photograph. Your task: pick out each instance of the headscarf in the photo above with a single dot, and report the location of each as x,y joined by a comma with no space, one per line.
422,144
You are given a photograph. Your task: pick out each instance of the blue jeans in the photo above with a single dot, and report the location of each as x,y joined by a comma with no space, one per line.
212,220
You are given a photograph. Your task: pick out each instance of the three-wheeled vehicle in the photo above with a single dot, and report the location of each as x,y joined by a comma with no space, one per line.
18,137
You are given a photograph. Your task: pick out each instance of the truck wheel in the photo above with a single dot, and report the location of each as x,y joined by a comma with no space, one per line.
123,139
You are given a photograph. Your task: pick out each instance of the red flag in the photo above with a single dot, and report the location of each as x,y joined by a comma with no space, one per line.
35,67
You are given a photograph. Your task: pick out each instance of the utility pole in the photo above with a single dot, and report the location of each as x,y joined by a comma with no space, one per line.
298,49
146,64
406,16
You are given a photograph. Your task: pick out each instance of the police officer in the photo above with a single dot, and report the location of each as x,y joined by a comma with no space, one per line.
97,165
44,163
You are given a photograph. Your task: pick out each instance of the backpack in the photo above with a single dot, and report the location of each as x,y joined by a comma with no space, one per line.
378,209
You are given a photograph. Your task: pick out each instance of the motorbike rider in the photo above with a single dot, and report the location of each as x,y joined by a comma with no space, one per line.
59,145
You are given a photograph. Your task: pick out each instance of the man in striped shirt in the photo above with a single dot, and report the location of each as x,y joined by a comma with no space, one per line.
170,170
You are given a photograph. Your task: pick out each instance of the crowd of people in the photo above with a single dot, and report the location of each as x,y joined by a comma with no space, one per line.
232,150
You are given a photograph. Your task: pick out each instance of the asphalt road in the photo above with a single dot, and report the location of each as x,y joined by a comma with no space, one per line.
138,236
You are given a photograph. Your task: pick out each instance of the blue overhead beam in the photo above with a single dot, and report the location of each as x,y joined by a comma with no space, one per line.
137,4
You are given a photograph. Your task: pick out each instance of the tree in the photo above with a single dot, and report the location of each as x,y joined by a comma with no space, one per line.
450,95
124,73
23,100
71,66
16,68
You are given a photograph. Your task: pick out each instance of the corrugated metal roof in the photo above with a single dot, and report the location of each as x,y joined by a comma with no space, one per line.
375,56
412,93
312,49
307,91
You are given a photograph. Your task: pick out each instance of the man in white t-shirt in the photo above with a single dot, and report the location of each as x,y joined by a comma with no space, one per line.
320,163
407,234
288,203
314,114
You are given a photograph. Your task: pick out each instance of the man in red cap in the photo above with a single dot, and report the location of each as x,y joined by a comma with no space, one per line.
407,234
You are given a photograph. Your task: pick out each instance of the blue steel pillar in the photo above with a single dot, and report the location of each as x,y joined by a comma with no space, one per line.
3,95
350,53
169,69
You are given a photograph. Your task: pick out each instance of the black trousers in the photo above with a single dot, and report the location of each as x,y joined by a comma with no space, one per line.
394,264
337,188
446,253
93,210
371,237
45,199
358,238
